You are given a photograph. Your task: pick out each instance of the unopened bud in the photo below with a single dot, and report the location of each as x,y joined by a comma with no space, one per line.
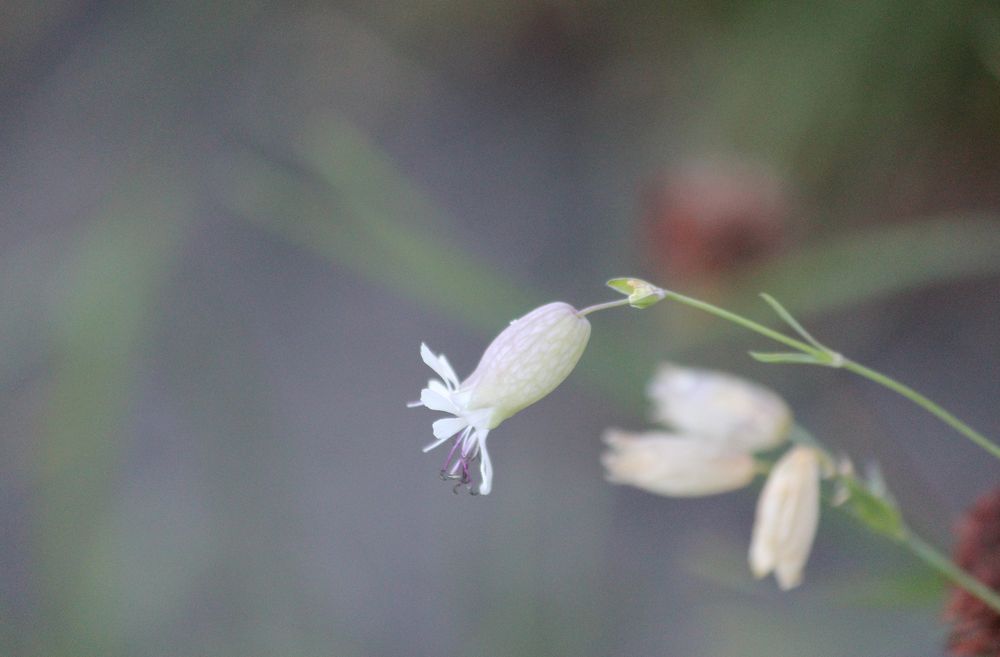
676,466
719,407
640,293
787,516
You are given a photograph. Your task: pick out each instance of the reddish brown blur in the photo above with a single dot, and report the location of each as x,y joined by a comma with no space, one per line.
708,217
976,627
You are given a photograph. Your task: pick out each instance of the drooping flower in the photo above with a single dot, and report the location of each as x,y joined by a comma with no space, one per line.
787,517
975,626
673,465
719,407
527,361
719,421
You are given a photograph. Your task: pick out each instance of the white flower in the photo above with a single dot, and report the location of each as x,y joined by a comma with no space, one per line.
527,361
719,407
787,516
676,466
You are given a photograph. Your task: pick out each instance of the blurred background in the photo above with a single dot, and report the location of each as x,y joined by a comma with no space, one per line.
227,227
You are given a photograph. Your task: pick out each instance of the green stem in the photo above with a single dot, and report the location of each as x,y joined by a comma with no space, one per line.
947,567
742,321
602,306
826,357
930,556
914,543
925,403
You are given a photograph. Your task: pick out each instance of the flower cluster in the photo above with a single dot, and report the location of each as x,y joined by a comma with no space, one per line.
717,423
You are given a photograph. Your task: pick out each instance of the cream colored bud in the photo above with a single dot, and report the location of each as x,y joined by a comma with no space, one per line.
719,407
676,466
528,360
787,517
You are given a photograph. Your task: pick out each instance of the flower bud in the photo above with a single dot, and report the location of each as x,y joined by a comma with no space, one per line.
641,294
675,466
787,517
719,407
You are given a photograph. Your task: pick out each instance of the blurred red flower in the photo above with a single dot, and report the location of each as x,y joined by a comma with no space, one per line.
975,626
708,216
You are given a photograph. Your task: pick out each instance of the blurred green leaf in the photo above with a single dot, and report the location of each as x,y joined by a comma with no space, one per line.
109,293
363,214
840,270
822,90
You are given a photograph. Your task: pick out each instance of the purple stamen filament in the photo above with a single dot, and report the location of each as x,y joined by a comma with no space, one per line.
452,465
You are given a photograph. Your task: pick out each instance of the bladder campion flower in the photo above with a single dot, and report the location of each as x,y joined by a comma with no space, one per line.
719,407
787,516
527,361
672,465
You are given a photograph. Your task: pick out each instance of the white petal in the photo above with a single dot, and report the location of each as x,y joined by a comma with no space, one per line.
440,365
485,466
438,387
448,427
414,404
436,401
449,372
762,556
434,444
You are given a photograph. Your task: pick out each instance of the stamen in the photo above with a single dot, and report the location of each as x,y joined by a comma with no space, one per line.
451,452
457,465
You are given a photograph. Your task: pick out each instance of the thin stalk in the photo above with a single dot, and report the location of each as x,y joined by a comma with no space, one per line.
925,403
937,561
949,569
602,306
743,321
826,357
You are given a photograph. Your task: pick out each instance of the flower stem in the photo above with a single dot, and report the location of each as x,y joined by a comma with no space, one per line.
925,403
602,306
950,570
902,535
828,358
823,356
742,321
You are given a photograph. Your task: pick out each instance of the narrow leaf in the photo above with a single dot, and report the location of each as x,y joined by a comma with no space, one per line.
791,321
784,357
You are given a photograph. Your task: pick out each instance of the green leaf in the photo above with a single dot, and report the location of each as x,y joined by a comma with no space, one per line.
879,512
784,357
791,321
